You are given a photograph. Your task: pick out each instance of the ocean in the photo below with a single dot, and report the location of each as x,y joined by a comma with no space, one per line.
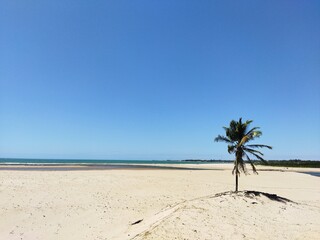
87,164
315,174
36,161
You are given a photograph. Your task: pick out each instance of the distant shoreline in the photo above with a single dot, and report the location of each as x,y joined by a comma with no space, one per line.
295,163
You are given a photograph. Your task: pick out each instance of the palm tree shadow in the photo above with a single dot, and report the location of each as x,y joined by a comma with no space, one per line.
273,197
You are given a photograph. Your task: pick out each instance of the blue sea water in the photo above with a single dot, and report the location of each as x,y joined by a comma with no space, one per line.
88,161
315,174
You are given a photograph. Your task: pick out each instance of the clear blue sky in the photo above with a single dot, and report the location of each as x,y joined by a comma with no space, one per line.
157,79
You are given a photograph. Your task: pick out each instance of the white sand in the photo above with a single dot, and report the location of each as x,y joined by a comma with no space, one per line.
174,204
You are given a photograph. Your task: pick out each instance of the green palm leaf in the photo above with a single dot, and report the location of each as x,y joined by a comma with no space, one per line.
257,156
258,146
251,163
252,150
222,139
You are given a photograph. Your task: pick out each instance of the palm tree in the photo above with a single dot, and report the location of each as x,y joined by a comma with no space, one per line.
237,137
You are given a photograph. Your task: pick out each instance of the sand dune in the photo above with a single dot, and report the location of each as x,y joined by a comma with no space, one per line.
172,204
234,216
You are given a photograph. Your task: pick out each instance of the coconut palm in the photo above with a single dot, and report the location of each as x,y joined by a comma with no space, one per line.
238,136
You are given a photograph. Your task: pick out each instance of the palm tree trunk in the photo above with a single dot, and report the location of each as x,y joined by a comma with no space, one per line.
238,158
237,182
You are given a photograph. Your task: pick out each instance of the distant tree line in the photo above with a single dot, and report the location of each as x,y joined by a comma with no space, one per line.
291,163
276,163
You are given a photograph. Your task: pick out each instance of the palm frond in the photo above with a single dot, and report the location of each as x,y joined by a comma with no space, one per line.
221,138
243,140
257,156
233,132
258,146
247,123
231,148
242,165
256,134
252,150
235,169
252,165
253,129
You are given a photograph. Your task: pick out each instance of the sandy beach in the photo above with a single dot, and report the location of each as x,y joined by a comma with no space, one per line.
159,204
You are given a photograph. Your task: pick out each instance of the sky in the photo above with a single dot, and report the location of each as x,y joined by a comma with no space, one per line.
157,79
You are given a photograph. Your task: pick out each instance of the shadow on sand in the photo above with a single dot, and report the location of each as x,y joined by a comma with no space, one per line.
273,197
253,194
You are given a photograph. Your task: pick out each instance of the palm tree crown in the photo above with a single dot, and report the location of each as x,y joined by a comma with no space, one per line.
238,136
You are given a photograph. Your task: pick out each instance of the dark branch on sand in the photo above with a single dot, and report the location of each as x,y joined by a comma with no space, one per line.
139,221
